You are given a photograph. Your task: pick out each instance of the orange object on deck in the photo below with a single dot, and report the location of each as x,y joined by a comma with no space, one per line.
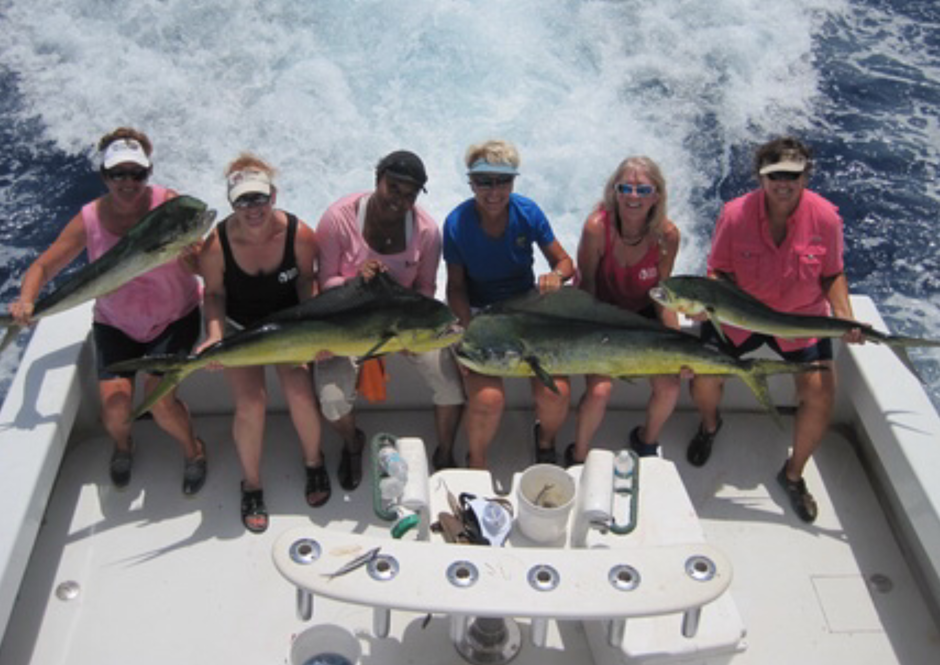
372,380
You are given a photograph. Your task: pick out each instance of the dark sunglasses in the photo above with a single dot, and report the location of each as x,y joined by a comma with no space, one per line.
252,201
784,175
640,190
492,183
120,175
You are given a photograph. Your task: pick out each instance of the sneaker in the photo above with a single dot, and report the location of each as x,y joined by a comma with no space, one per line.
802,501
122,461
700,447
640,448
195,470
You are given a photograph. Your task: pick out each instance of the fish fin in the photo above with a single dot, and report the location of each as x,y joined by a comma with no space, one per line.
542,375
901,353
573,304
374,351
12,331
167,383
716,324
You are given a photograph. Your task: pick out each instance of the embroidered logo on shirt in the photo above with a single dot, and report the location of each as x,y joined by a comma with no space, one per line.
648,274
287,275
521,241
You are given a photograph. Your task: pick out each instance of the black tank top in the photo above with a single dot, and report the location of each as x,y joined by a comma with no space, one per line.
249,298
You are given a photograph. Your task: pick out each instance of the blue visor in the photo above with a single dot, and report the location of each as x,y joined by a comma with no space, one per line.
483,166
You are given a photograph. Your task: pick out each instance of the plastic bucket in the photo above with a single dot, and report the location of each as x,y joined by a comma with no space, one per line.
545,496
326,644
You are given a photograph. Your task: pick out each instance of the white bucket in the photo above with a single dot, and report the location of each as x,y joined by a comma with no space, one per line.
546,495
326,644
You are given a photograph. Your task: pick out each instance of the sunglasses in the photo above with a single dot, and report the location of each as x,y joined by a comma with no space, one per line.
640,190
784,175
492,183
120,175
252,201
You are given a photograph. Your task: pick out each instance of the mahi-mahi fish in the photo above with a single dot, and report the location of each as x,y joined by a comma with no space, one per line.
157,238
359,319
569,332
724,302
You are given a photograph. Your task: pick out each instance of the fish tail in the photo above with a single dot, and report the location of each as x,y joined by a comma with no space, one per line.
12,331
756,379
897,341
168,382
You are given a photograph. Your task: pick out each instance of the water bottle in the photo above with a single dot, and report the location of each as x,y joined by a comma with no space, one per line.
394,473
391,462
623,470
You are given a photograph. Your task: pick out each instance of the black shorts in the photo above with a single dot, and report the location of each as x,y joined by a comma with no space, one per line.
821,350
113,345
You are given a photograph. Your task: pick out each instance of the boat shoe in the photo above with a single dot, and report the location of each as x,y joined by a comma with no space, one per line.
350,463
700,447
802,501
640,447
122,462
194,472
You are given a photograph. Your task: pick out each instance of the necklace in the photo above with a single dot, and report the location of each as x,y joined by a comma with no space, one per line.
631,242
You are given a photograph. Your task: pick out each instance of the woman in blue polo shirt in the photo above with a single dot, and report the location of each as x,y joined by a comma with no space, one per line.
488,248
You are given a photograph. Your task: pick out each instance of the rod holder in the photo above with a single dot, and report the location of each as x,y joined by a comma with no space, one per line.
616,628
304,604
690,619
381,621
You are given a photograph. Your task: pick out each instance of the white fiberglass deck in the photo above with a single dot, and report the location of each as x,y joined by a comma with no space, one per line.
165,579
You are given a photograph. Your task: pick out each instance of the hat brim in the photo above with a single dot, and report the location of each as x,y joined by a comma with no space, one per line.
791,166
127,157
497,169
248,187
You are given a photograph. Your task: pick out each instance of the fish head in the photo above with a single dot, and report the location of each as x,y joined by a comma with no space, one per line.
491,345
674,294
186,220
427,324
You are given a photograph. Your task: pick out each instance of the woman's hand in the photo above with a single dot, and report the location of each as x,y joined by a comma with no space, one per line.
550,281
22,312
371,268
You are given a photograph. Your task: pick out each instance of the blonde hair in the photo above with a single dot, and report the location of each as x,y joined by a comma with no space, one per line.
656,218
493,152
126,133
250,161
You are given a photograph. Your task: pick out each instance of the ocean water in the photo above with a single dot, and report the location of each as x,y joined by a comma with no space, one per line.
324,89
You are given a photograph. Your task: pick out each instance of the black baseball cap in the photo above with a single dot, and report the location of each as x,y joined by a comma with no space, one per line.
404,165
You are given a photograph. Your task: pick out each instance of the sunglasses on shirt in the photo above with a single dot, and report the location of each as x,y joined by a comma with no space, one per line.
120,175
784,175
252,201
491,183
640,190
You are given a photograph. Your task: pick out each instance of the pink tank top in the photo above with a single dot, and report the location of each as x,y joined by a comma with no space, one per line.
627,287
146,305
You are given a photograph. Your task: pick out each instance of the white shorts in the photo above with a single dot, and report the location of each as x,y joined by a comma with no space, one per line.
335,381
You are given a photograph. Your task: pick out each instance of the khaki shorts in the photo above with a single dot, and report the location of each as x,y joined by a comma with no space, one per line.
335,381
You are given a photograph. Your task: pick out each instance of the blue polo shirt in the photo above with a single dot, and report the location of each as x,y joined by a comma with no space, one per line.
496,268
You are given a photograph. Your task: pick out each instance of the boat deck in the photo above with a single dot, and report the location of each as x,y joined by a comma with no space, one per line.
160,578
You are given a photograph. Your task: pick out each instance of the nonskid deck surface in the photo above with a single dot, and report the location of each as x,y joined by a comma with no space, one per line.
161,578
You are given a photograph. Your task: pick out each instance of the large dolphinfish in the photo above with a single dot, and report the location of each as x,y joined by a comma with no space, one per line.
723,302
569,332
157,238
360,319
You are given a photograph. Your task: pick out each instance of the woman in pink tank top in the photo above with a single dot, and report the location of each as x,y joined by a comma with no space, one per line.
627,246
157,312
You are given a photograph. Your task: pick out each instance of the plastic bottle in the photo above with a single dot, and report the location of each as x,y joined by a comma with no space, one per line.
394,473
391,462
623,470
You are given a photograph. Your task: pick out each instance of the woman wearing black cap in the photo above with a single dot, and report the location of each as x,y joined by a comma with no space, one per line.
384,231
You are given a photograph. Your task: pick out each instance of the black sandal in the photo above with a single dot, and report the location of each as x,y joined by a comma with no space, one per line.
350,464
700,447
570,461
442,460
254,514
318,490
543,455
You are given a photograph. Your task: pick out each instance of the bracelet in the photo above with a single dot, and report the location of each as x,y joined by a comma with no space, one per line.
560,275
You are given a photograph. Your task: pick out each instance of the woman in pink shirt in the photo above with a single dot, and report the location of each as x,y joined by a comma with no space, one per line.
782,244
155,313
384,231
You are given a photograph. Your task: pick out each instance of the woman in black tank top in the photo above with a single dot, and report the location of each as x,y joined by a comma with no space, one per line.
256,262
